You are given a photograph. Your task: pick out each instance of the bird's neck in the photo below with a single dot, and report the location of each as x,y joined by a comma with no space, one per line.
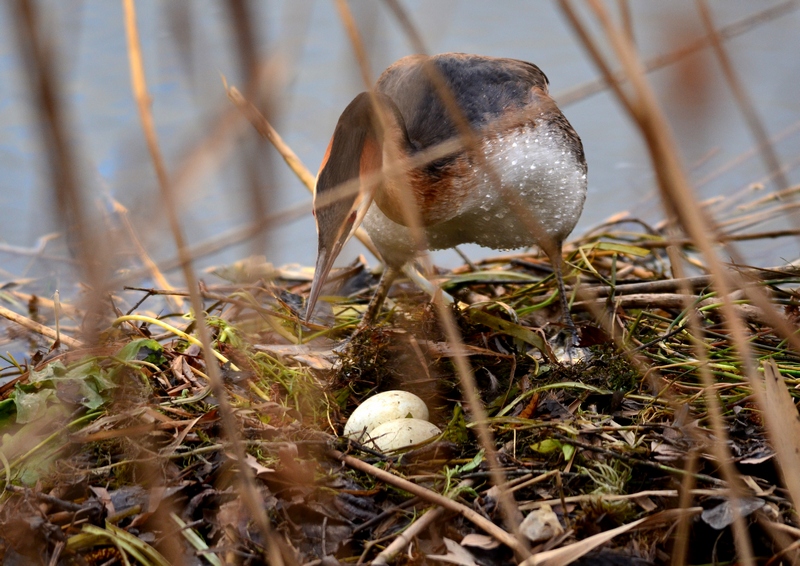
395,195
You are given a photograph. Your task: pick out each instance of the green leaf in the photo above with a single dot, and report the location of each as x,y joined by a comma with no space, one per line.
87,395
621,248
499,276
474,463
568,450
31,406
146,349
512,329
547,446
194,538
456,429
8,409
50,371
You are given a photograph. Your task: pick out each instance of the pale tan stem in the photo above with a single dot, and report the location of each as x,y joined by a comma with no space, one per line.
34,326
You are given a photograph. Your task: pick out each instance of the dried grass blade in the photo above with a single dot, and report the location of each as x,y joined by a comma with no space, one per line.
567,554
783,424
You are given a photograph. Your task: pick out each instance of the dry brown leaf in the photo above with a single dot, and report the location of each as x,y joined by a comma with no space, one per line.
456,554
783,425
480,541
567,554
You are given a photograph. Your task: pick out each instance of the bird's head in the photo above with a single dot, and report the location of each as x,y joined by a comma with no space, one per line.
340,196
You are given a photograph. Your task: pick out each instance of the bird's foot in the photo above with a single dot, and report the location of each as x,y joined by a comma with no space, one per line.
363,327
348,342
566,350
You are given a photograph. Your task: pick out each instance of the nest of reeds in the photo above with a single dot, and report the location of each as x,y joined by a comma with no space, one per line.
121,448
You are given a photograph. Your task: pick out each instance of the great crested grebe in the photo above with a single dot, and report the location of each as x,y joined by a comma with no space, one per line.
519,179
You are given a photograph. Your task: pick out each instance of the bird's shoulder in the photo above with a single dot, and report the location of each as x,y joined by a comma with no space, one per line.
483,87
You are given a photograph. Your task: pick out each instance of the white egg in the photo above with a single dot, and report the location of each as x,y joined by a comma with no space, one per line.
382,408
402,433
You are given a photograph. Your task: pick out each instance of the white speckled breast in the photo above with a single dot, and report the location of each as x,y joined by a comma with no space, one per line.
542,188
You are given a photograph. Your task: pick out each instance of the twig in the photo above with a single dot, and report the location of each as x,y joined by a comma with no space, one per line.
55,501
698,282
743,100
671,493
669,301
771,234
40,328
420,525
144,256
638,461
432,497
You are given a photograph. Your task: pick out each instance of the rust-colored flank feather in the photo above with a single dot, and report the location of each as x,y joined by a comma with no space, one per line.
517,180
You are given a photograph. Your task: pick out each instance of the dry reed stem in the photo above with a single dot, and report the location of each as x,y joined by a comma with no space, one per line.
432,497
739,160
418,527
46,331
694,283
410,214
678,199
263,127
252,157
122,212
744,102
783,425
739,27
251,497
724,237
624,9
39,63
408,27
785,537
201,160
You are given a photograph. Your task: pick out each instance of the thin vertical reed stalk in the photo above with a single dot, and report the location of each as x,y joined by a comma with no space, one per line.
743,101
252,156
769,156
46,89
679,199
252,500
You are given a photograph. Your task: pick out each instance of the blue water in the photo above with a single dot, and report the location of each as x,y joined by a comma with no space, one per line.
315,76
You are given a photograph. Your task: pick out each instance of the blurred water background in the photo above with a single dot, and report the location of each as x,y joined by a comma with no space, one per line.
189,46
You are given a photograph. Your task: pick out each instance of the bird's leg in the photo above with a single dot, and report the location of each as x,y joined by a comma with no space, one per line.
562,294
389,275
426,286
571,353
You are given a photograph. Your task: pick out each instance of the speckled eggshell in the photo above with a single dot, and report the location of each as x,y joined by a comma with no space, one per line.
402,433
382,408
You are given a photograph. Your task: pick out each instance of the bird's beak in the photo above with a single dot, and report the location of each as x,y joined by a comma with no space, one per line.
354,149
331,243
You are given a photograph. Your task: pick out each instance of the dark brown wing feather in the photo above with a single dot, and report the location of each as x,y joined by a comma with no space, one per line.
484,88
